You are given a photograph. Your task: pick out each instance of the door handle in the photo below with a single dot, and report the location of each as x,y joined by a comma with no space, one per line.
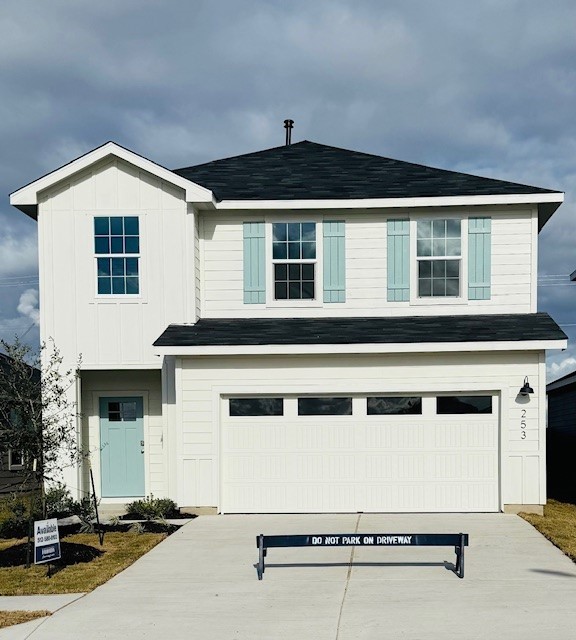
141,446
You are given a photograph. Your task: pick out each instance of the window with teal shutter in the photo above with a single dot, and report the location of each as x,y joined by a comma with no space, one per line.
334,262
479,258
398,260
254,263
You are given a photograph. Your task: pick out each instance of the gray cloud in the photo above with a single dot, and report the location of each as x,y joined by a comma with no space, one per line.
486,87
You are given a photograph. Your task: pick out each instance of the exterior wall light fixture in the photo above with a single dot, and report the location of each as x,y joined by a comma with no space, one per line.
526,389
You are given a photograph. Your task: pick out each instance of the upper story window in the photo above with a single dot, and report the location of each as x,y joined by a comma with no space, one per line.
294,260
439,256
294,263
117,247
448,259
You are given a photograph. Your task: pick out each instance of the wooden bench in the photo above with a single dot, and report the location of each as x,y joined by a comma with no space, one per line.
456,540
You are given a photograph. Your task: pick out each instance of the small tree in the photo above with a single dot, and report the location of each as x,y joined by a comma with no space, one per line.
38,414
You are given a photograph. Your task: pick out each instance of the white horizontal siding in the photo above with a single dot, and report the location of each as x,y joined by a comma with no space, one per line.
204,380
513,256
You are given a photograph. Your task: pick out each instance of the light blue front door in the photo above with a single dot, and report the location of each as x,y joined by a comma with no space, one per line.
122,447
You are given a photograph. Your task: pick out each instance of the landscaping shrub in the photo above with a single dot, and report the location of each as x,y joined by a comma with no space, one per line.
16,512
60,504
152,508
16,509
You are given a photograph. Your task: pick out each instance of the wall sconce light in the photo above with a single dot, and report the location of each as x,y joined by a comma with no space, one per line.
526,389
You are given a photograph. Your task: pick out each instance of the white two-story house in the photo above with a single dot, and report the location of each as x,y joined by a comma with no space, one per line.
301,329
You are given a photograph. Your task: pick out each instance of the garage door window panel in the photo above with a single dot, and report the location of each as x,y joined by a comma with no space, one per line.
328,406
457,405
240,407
394,405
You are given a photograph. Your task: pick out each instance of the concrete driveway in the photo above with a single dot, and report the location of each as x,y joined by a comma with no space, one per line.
202,583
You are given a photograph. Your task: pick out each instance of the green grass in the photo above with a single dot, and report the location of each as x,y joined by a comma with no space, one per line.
84,566
558,524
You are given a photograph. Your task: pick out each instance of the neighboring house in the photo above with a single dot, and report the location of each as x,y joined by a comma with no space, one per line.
12,478
301,329
562,437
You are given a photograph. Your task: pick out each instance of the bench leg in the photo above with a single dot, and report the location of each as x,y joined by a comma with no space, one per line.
261,554
459,570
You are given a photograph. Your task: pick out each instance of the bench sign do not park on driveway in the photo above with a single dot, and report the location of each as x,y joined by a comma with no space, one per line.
362,540
46,541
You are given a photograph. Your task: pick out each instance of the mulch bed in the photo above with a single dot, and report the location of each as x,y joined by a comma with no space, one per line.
72,553
173,516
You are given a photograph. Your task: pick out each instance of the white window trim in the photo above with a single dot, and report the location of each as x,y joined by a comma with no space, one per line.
14,467
94,436
432,300
318,301
119,297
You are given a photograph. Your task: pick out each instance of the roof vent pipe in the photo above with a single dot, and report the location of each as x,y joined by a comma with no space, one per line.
288,124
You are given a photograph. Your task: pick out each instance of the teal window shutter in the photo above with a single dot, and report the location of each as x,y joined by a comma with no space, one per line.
479,258
398,260
254,263
334,262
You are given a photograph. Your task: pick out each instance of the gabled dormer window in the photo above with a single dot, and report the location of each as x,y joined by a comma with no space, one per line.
117,249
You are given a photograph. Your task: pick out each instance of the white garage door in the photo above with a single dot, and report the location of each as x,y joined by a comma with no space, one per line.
372,453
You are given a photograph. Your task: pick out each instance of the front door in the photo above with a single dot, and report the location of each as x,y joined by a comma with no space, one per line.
122,447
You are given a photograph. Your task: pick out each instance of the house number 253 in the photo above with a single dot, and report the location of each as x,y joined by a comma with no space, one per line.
523,424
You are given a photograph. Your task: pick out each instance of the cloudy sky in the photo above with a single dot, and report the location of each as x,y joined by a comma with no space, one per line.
483,86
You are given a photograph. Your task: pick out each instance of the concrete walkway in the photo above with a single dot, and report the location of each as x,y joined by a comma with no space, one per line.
201,583
32,603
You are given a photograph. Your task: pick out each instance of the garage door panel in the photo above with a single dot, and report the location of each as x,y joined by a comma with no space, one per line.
325,436
478,466
446,465
379,467
401,435
270,437
464,435
360,463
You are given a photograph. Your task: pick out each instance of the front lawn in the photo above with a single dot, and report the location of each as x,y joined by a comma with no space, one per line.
84,565
558,524
9,618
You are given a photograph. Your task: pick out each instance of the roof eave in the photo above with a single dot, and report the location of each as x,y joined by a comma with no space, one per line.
547,203
547,209
379,348
26,198
565,381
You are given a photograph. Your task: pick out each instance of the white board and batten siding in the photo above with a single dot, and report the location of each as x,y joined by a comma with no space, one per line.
513,266
145,384
214,467
115,331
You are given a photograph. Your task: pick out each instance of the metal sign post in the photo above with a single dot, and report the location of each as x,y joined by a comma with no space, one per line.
100,529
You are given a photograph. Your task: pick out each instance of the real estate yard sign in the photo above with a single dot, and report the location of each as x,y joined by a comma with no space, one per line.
46,541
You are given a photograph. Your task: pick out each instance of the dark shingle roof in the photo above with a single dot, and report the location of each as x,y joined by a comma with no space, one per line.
283,331
569,380
307,170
